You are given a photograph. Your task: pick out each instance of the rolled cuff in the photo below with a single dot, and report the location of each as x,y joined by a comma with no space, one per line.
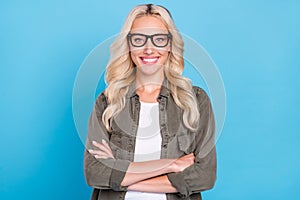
117,175
177,180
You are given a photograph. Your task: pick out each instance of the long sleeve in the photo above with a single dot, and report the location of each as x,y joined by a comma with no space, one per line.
102,173
202,174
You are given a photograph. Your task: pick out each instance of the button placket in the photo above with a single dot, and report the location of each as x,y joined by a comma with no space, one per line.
134,128
163,127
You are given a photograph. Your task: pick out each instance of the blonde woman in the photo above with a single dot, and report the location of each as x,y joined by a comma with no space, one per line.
151,133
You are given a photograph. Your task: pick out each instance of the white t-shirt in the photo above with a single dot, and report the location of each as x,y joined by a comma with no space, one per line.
147,146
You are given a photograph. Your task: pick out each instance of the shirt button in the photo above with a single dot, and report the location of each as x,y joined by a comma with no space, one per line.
165,146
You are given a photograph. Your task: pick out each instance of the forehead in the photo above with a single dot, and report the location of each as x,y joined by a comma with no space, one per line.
149,25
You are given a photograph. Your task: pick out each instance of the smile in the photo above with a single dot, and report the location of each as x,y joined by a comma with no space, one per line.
149,60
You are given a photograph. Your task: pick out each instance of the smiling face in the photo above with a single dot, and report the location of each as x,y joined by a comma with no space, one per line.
149,43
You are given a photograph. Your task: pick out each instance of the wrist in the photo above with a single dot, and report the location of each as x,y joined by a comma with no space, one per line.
171,166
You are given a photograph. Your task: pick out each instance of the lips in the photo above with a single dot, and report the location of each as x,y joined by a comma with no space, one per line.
149,60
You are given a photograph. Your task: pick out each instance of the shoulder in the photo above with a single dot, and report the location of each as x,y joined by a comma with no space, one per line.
101,101
200,94
198,90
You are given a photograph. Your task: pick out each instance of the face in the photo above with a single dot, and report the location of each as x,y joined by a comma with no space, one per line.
149,45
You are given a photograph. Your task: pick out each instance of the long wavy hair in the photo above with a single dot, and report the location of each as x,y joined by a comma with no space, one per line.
120,72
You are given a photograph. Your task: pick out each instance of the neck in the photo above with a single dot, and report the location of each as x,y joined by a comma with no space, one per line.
149,83
148,88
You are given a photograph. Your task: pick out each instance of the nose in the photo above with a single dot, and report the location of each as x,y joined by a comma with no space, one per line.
148,48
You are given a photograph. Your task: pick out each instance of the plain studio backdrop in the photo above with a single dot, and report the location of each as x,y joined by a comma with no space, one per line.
255,45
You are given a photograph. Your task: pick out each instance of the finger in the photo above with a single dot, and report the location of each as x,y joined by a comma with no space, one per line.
104,147
97,152
107,146
100,146
187,156
101,157
191,155
100,154
96,144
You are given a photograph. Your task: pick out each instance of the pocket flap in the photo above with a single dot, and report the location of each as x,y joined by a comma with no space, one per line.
186,142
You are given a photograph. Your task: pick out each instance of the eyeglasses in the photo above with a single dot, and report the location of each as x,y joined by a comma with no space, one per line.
159,40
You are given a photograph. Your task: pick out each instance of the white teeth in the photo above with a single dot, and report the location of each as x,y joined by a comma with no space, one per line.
150,60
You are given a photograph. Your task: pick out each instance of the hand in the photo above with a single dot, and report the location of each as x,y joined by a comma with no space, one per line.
103,152
183,162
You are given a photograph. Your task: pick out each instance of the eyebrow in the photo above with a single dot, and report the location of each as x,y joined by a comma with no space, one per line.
148,34
159,31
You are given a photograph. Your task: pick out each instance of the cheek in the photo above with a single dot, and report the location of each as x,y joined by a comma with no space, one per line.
165,51
164,55
134,57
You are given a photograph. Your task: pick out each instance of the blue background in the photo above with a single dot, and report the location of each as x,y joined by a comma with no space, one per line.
255,45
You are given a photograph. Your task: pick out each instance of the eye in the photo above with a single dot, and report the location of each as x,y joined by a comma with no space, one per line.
160,39
138,39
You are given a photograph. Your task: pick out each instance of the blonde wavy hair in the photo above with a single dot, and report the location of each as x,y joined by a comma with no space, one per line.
120,72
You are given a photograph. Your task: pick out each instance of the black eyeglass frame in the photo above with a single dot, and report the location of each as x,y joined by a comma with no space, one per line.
169,36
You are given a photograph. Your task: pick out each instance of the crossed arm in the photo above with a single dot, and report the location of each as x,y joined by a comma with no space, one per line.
186,175
148,176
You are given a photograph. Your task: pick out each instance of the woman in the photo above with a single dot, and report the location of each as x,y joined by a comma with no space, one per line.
151,133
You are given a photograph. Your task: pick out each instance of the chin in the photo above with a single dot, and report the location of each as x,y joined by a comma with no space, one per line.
150,69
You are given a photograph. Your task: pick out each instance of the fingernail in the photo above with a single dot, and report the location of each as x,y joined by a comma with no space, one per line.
94,142
103,141
90,150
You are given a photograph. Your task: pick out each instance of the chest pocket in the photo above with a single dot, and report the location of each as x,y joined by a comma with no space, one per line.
186,143
121,145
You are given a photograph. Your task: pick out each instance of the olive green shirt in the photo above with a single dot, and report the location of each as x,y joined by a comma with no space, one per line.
106,175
